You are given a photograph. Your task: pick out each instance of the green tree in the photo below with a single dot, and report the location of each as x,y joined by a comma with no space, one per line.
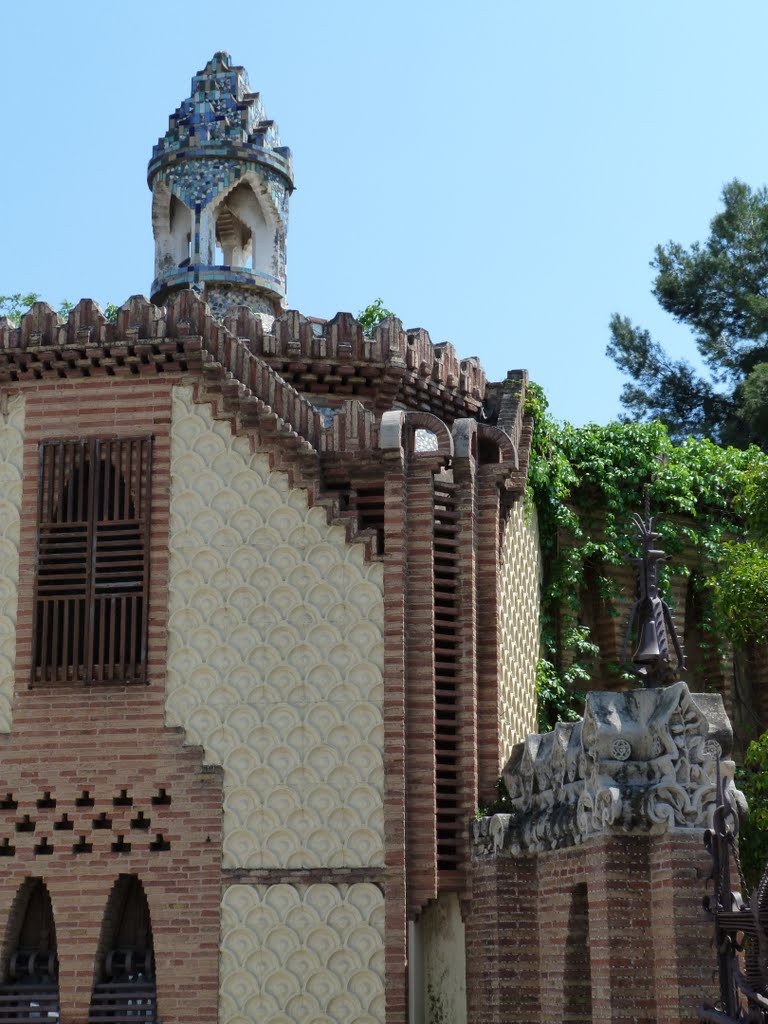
373,315
587,481
14,306
719,288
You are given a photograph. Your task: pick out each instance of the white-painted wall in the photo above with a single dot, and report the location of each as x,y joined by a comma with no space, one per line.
275,654
439,990
11,470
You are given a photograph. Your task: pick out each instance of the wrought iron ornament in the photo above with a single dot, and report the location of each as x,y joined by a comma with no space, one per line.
656,633
741,937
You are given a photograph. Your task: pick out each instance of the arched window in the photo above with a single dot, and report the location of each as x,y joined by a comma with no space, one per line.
31,988
124,989
173,227
180,222
243,236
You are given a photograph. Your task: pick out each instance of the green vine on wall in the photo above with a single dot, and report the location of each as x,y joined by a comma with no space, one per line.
587,481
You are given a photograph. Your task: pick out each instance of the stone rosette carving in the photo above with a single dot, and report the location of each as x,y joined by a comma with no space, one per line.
638,762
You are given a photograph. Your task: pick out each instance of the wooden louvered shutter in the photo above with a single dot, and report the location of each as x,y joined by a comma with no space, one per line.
91,585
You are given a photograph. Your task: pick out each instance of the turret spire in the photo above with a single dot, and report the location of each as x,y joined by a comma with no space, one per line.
221,182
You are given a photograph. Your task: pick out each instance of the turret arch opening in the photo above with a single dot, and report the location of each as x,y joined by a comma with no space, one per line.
124,982
30,966
172,226
244,233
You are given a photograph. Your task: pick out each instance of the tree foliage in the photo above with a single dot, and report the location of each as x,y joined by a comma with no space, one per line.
752,780
719,288
587,481
373,315
14,306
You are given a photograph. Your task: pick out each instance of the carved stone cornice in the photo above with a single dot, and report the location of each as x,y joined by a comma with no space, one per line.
640,762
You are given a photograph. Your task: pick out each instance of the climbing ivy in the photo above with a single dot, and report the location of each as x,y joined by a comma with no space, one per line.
752,780
587,481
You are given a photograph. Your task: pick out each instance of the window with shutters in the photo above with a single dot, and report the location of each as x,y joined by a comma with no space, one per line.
92,561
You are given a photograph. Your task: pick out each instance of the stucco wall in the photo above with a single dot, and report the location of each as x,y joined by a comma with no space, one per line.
519,632
275,654
440,932
11,469
307,954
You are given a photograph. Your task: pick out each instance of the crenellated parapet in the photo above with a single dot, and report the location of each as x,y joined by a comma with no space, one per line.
307,371
336,357
639,762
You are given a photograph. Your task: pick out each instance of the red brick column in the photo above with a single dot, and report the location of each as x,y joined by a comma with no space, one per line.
420,682
563,936
620,934
683,959
501,933
466,509
395,926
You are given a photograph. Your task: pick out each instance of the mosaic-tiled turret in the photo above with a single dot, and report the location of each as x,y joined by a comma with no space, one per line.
220,184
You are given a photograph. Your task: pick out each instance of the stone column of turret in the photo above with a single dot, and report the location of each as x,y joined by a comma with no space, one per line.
220,184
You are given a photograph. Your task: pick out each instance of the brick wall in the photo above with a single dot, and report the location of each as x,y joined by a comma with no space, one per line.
613,930
110,742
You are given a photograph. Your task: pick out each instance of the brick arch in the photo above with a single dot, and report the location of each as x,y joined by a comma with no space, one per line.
490,438
398,430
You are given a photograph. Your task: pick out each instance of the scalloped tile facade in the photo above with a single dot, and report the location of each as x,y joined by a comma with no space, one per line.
309,954
11,471
519,584
275,654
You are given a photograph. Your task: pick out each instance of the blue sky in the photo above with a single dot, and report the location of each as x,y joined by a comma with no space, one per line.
499,173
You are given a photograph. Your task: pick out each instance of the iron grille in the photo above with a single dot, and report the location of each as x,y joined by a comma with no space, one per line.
38,1002
126,1002
92,561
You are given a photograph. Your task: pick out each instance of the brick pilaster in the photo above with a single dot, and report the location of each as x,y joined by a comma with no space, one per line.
420,683
683,960
620,938
395,928
466,509
502,943
488,730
